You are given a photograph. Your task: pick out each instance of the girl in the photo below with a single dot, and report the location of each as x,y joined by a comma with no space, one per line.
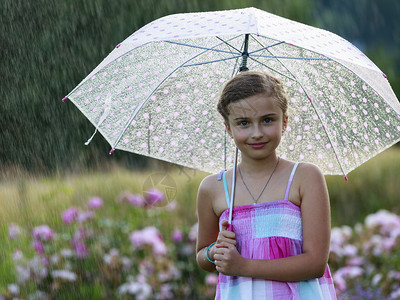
279,245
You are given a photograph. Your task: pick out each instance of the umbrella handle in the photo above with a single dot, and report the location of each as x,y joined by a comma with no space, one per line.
233,190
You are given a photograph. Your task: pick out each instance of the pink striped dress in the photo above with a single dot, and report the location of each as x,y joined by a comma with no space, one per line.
270,230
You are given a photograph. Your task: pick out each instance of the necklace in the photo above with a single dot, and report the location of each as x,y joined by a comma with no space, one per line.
254,199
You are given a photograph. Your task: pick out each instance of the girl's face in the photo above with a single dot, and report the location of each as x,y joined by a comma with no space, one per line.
256,124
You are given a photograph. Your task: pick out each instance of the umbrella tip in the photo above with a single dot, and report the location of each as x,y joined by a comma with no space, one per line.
63,99
118,46
384,75
345,178
111,151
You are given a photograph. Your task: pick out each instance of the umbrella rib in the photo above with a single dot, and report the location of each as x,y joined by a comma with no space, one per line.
291,57
225,42
272,69
264,47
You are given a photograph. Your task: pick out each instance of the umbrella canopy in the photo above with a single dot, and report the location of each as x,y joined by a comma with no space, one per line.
155,94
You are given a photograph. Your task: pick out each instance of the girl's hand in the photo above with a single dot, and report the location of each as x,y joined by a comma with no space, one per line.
227,258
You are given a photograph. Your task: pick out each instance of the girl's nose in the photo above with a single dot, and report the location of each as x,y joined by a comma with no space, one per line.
257,132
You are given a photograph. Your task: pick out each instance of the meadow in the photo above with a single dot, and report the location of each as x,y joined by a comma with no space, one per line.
84,233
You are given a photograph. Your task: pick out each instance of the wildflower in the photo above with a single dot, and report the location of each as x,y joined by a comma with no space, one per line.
394,275
177,236
395,294
166,292
150,236
23,274
43,233
13,231
355,261
376,279
140,290
36,268
66,253
69,215
95,203
17,255
153,197
172,205
80,250
384,220
84,216
38,246
134,199
13,289
340,276
126,262
64,274
350,250
193,232
211,279
112,257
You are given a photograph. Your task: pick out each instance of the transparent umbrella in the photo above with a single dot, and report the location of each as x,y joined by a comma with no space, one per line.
155,94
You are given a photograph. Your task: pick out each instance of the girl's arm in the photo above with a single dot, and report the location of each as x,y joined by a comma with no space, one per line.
208,223
316,239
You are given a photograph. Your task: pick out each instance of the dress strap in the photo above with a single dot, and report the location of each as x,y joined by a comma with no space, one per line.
223,175
290,181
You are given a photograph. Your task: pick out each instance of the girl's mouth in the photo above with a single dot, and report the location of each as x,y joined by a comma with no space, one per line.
257,145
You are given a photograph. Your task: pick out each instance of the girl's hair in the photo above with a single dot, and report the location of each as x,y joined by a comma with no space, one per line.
250,83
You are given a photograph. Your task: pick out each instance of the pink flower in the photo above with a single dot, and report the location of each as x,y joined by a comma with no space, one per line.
193,232
340,276
69,215
384,220
177,236
211,279
153,197
84,216
13,231
148,236
79,235
355,261
159,247
38,247
95,203
43,233
80,250
134,199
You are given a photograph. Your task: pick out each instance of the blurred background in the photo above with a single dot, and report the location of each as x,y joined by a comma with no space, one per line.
47,47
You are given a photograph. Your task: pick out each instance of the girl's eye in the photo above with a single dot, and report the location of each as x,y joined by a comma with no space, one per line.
243,123
267,120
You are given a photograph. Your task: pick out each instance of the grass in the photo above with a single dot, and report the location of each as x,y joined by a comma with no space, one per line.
33,201
371,187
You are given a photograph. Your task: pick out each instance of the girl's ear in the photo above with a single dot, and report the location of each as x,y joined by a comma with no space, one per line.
284,123
228,129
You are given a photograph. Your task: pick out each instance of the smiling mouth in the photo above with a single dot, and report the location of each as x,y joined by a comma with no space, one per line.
257,145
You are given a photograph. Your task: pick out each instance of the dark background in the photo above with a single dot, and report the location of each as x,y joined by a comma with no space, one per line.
48,46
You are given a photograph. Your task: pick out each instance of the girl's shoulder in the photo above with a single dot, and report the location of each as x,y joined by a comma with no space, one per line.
209,183
308,171
309,178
